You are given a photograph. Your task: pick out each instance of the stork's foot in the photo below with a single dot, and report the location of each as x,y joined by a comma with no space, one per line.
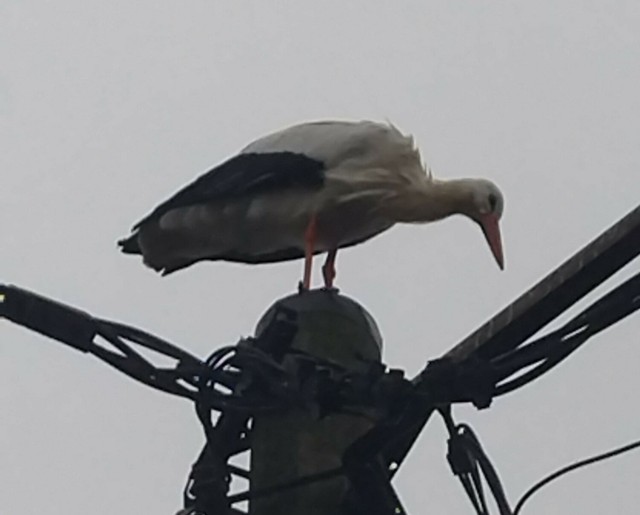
329,289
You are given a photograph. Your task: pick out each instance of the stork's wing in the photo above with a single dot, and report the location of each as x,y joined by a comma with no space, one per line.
246,174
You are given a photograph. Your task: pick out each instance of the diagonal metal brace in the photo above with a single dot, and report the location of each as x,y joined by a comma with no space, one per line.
559,290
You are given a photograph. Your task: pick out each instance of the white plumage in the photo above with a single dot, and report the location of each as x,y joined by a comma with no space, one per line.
310,188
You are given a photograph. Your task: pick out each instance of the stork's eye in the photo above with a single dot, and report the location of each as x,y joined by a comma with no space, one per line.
493,201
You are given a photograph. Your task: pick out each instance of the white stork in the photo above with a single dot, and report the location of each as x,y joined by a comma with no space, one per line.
310,188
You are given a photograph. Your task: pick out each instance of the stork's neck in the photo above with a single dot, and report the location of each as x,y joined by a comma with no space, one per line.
431,200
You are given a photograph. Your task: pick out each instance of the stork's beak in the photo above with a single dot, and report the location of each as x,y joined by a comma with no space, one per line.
491,228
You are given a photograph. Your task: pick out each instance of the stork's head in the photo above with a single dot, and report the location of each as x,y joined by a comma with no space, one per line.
486,208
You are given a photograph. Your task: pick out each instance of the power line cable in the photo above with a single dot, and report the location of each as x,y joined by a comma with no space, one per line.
571,467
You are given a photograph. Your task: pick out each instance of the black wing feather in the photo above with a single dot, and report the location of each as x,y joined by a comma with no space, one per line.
246,174
278,256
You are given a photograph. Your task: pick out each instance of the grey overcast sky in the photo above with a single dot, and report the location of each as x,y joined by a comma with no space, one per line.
106,108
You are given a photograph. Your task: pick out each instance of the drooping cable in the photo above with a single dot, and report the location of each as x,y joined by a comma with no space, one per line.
570,468
553,348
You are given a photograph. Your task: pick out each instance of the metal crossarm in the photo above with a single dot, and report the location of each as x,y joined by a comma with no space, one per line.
85,333
45,316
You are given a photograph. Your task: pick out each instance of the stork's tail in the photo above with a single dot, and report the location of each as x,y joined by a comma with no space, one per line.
130,245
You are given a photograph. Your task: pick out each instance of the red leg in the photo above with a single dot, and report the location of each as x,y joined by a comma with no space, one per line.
329,269
309,247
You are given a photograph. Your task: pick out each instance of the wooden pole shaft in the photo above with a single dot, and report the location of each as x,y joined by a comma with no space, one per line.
298,443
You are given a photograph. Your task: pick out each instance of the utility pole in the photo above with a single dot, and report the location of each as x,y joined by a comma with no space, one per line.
302,441
327,425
